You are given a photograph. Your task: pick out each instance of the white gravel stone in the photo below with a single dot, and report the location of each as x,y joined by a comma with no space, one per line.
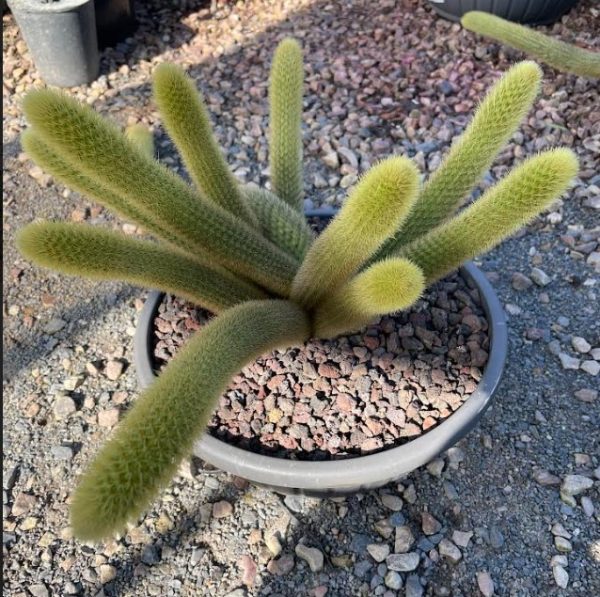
403,562
540,277
563,545
594,260
580,344
64,406
586,395
462,538
575,484
404,539
107,573
561,576
393,580
485,583
435,467
378,551
558,530
568,362
448,550
392,502
559,560
588,506
311,555
591,367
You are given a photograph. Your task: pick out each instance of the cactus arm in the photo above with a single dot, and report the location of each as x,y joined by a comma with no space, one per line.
142,138
280,223
554,52
67,173
186,119
496,119
168,417
285,141
82,250
503,209
104,154
386,286
373,210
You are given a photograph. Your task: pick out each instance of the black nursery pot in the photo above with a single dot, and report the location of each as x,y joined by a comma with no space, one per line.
61,37
340,477
531,12
115,20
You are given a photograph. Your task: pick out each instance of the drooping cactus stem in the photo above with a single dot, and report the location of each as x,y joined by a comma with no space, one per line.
496,119
373,210
82,250
186,119
503,209
554,52
68,173
167,418
104,154
386,286
285,121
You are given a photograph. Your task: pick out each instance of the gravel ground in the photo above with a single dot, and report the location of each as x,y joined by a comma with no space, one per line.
515,506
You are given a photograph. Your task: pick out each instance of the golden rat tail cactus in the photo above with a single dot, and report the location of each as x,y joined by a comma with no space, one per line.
249,255
558,54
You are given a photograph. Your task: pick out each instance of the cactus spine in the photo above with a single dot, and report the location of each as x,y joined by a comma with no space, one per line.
558,54
374,209
167,418
503,209
78,249
285,143
187,121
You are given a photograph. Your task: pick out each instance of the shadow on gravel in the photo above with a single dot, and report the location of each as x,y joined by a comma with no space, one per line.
35,346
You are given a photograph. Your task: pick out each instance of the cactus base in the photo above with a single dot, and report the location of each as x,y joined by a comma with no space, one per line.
339,477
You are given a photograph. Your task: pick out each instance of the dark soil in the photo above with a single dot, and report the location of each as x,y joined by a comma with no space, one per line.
354,394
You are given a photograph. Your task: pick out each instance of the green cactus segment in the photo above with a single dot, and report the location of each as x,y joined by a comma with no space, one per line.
56,165
374,209
280,223
168,417
186,119
386,286
80,135
556,53
142,138
496,119
503,209
285,142
79,249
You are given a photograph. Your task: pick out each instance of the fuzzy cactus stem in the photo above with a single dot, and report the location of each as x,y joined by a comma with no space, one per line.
76,132
187,122
384,287
502,210
554,52
374,209
167,418
285,142
495,120
79,249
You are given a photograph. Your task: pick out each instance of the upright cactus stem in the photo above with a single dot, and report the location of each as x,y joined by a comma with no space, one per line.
187,121
502,210
554,52
496,119
375,208
285,144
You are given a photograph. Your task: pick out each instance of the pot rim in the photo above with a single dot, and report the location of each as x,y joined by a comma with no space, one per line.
353,473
